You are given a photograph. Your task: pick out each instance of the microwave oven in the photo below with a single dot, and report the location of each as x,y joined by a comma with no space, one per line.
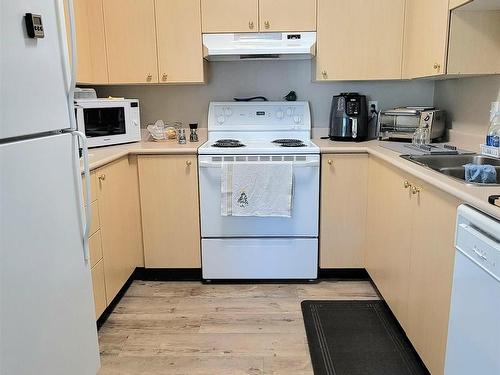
108,121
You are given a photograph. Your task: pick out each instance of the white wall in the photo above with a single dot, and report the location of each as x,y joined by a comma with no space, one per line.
272,79
467,102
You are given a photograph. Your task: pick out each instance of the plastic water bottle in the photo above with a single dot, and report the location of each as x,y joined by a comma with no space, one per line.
493,136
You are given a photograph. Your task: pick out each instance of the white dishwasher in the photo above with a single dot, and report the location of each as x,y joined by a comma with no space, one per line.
474,327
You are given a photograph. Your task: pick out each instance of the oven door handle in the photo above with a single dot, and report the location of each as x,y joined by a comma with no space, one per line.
295,164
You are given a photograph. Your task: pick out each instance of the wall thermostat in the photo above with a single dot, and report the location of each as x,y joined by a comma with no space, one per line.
34,25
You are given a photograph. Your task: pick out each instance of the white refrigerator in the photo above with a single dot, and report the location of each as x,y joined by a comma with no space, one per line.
47,319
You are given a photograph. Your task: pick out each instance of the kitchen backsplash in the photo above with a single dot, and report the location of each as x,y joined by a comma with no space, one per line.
272,79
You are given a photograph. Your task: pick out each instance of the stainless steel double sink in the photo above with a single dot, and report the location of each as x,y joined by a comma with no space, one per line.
453,165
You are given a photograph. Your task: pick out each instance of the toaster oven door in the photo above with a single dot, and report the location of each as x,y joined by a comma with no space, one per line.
398,126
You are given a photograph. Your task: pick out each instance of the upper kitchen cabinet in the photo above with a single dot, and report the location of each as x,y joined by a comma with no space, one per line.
368,49
180,52
474,40
426,36
441,42
131,41
237,16
92,66
458,3
224,16
287,15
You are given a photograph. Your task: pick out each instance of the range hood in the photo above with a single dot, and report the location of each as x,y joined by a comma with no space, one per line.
259,46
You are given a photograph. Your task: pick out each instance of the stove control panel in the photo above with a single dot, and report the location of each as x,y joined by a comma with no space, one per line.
261,116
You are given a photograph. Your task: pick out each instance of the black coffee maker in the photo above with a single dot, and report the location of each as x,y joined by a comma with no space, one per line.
349,117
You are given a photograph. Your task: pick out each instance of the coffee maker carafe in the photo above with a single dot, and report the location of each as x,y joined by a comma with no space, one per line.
349,117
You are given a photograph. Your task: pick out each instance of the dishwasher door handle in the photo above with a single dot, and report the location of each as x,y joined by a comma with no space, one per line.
489,240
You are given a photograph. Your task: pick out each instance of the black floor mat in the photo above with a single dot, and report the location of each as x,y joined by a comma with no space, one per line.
358,338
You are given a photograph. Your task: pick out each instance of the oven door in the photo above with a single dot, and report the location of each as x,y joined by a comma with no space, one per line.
108,122
305,202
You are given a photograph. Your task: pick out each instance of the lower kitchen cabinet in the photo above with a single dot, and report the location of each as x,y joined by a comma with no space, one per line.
170,210
95,248
431,274
389,235
99,288
344,179
119,211
410,255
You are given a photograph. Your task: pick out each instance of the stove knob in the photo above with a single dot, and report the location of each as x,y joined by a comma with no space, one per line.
220,119
280,114
228,112
289,111
296,119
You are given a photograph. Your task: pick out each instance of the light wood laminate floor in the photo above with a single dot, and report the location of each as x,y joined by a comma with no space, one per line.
191,328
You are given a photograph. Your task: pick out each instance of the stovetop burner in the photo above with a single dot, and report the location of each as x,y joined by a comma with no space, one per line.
296,144
228,143
289,142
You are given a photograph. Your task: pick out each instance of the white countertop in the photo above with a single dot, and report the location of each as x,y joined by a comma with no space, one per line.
476,196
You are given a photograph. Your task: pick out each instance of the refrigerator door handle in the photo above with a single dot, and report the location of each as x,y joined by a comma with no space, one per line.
70,57
86,213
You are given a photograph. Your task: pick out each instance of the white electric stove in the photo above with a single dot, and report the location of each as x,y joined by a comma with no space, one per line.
251,247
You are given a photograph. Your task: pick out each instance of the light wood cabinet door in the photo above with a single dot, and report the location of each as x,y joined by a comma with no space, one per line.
389,228
180,50
458,3
131,41
95,222
473,34
170,211
287,15
95,248
369,48
225,16
92,64
93,187
426,37
431,274
344,181
120,223
99,288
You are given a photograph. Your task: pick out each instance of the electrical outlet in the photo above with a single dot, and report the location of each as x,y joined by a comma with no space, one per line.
372,106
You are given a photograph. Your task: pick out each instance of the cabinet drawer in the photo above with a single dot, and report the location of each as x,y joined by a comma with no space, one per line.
99,288
93,188
95,247
96,223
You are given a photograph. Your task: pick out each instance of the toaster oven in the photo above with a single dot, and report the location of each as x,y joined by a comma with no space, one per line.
400,123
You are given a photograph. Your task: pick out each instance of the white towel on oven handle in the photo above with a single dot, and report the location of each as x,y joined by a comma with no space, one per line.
263,189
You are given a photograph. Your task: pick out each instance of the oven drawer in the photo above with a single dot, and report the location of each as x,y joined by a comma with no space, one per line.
305,204
260,258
